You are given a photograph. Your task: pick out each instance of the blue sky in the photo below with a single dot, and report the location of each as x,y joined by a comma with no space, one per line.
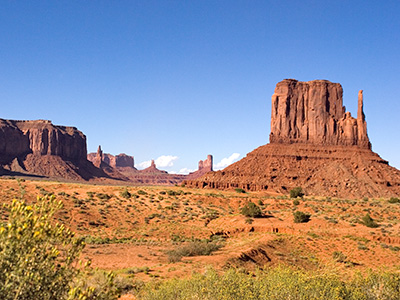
177,80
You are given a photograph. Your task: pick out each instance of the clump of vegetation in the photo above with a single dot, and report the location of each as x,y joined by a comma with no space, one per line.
369,222
275,284
240,191
141,192
296,202
195,248
38,258
394,200
296,192
251,210
338,256
125,194
103,196
301,217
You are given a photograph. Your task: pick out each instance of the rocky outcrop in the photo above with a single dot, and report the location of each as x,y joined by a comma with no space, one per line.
118,161
314,144
204,167
41,148
19,138
313,113
122,167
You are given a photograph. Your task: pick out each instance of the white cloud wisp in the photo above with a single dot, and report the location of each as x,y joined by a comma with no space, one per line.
226,161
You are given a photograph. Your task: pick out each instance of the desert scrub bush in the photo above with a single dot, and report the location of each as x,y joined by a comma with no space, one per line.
394,200
275,284
301,217
125,194
141,192
369,222
240,191
195,248
38,259
251,210
296,202
103,196
296,192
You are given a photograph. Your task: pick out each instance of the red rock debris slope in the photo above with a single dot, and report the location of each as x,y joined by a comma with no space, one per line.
314,144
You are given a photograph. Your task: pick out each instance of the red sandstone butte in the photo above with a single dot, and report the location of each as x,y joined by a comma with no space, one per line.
314,144
43,149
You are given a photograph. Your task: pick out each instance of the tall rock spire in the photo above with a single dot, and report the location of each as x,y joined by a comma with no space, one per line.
361,123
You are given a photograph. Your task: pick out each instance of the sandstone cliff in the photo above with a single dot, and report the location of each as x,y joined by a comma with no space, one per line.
41,148
204,167
122,167
313,113
314,144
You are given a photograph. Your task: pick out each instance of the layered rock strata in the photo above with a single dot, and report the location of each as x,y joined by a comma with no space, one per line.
313,113
121,166
205,166
314,144
41,148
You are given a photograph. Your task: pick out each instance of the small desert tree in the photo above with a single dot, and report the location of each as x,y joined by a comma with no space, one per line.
251,210
38,259
296,192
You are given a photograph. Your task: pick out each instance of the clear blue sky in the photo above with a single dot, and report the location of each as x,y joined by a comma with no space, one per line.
191,78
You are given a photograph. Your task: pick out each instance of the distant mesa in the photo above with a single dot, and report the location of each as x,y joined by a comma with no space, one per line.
122,166
39,148
314,144
204,167
42,149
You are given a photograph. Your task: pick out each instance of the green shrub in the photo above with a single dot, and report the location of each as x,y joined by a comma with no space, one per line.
300,217
38,258
125,194
338,256
296,192
141,192
251,210
195,248
275,284
369,222
394,200
103,196
240,191
296,202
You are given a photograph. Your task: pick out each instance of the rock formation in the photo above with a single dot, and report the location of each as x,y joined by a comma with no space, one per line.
122,167
41,148
314,144
204,167
118,161
313,113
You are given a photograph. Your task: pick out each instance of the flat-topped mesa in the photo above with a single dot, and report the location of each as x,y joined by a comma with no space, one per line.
40,137
313,113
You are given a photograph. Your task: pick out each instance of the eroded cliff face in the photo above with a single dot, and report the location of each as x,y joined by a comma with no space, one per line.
314,144
205,166
44,149
19,138
313,113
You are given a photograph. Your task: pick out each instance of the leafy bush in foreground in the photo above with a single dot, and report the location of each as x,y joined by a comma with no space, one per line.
275,284
38,259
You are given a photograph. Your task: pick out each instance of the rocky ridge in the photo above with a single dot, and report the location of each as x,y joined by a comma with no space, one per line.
43,149
314,144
